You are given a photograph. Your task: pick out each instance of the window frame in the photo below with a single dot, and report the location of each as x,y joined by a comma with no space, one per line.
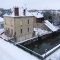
21,31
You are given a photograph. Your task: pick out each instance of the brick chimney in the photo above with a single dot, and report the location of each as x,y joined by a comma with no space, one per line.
16,11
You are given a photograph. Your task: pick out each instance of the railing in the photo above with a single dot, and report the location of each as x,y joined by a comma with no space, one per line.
51,51
31,52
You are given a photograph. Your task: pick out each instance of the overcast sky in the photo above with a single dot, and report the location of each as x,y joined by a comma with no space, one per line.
31,4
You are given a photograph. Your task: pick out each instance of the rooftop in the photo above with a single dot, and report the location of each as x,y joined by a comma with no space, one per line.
37,15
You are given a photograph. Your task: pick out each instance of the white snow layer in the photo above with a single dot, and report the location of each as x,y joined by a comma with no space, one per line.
40,32
3,35
38,15
10,52
1,19
51,26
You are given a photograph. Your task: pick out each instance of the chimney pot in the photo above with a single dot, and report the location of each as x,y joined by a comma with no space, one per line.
16,11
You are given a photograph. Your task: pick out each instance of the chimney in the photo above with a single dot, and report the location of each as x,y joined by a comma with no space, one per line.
16,11
24,12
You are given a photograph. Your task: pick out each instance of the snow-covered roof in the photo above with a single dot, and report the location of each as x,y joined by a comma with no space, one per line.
10,52
1,19
50,26
40,32
38,15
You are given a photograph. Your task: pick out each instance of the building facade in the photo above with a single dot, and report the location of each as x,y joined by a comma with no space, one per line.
19,27
22,27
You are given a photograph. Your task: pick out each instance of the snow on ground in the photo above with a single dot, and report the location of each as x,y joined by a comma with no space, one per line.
1,19
3,35
1,30
40,32
50,26
54,56
10,52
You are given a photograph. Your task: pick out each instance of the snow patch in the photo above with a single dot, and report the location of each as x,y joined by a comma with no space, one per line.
40,32
50,26
38,15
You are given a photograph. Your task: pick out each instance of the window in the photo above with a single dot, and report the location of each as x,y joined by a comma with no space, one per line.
28,29
21,22
21,30
28,21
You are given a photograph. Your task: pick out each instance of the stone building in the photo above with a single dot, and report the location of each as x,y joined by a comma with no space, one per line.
19,26
21,23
